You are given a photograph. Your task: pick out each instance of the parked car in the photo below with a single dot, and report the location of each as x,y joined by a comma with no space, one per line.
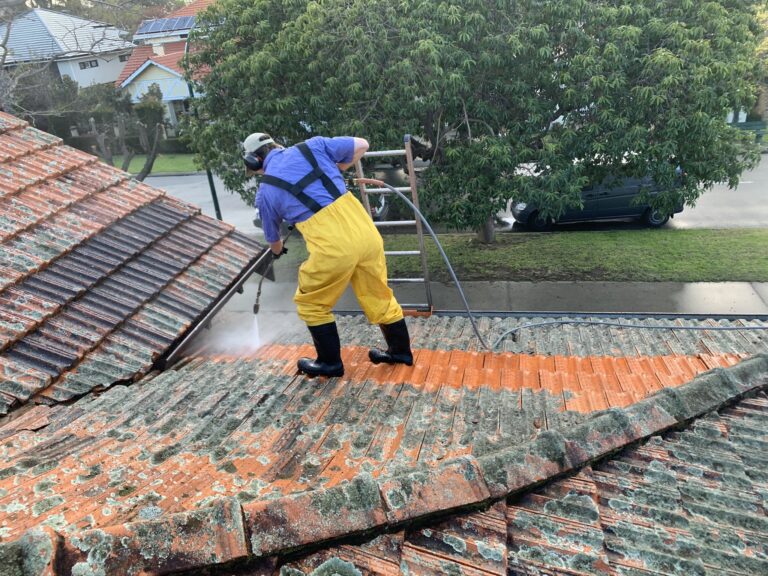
601,202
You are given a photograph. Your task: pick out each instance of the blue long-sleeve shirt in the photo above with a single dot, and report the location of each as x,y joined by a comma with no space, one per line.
276,204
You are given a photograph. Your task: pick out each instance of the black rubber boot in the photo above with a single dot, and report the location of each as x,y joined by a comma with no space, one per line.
398,345
328,362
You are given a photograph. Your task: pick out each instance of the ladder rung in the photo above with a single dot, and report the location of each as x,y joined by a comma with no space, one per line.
402,253
415,306
407,280
387,190
395,223
381,153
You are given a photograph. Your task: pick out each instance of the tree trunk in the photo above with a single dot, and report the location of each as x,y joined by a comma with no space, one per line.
150,150
487,234
105,151
128,153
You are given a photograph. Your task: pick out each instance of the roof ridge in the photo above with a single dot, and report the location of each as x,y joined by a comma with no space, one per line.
72,16
228,530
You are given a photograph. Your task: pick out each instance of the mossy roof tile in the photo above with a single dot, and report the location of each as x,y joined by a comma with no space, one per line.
84,250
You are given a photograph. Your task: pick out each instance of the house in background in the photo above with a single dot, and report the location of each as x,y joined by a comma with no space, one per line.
158,56
89,52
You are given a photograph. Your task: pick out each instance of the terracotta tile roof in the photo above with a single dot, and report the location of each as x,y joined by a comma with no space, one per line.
171,58
139,55
191,9
172,61
99,274
575,449
232,452
684,502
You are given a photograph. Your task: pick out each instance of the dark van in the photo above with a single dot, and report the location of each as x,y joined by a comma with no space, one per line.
600,202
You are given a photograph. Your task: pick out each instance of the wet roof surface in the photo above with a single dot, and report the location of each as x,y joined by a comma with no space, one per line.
99,273
269,462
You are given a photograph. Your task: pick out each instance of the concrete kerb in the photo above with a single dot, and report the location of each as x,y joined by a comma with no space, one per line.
229,531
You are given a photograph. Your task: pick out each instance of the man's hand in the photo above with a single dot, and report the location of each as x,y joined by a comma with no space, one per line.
277,249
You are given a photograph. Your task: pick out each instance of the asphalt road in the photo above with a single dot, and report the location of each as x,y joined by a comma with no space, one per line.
744,207
721,207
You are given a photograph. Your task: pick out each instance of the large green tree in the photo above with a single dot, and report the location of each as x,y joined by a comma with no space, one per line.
528,99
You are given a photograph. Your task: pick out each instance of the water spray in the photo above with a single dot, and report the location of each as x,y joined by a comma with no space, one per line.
256,305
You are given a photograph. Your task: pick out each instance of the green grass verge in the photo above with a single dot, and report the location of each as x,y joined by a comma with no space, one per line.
621,255
164,164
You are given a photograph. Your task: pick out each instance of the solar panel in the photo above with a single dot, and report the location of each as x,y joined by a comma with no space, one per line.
165,24
144,26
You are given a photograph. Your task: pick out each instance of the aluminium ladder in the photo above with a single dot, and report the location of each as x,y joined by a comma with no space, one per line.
365,191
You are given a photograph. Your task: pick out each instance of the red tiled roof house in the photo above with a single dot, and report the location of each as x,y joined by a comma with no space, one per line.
158,56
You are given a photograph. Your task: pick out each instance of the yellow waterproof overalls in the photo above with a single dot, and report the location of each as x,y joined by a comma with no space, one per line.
344,246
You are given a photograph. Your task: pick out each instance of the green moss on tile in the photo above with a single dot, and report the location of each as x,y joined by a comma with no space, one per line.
577,507
46,504
126,490
359,495
336,567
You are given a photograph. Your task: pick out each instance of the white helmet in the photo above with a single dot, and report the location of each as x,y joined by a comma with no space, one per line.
256,141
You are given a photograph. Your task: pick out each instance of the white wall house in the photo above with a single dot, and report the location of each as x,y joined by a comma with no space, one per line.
89,52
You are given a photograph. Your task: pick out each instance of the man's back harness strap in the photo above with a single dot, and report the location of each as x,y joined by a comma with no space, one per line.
298,189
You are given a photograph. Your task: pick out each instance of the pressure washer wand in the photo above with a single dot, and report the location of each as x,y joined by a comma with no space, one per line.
266,272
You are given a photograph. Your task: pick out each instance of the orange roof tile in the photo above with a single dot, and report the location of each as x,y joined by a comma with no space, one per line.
262,462
583,453
139,55
191,9
171,58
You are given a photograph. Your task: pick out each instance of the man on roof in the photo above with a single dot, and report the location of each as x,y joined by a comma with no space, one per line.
303,185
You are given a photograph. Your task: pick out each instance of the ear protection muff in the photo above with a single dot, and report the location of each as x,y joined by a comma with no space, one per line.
253,162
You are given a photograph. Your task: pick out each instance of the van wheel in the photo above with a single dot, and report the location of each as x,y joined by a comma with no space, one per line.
538,223
380,210
655,218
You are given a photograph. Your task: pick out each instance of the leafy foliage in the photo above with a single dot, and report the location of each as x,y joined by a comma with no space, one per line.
150,109
525,99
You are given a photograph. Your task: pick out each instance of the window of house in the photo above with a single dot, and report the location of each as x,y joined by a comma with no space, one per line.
124,57
89,64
